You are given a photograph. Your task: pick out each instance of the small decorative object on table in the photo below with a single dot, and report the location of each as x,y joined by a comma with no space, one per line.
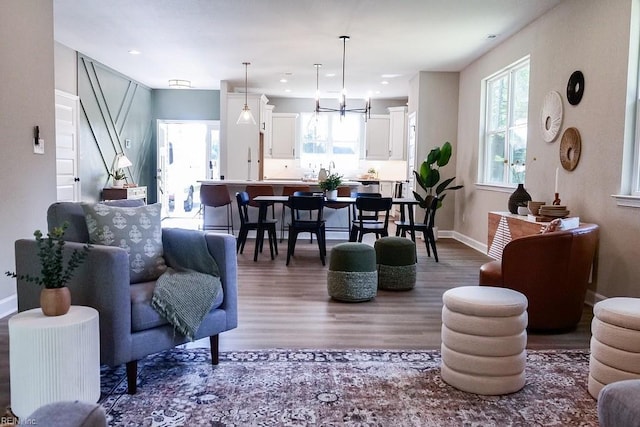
330,185
55,298
520,197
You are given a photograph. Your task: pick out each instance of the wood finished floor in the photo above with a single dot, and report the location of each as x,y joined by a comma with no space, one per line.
288,307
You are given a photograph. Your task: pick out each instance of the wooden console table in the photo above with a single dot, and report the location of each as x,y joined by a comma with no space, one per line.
504,227
113,193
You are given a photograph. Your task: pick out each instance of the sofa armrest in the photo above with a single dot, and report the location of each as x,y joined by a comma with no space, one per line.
223,249
101,282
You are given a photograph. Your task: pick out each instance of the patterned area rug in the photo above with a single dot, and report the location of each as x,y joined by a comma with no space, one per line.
340,388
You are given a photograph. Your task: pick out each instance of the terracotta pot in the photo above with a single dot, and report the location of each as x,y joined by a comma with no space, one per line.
55,301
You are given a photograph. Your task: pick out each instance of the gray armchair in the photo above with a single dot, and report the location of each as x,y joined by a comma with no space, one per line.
130,328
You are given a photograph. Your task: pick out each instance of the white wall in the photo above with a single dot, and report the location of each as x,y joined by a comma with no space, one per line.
434,98
591,36
66,69
26,186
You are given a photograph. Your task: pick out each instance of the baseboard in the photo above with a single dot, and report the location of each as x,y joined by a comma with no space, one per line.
472,243
8,305
593,297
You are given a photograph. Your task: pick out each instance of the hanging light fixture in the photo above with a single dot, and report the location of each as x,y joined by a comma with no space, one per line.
342,100
246,118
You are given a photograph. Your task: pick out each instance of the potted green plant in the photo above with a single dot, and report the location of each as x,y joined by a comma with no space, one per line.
118,178
55,298
331,184
428,176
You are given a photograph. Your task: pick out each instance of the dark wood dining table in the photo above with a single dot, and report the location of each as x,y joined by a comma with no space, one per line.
265,201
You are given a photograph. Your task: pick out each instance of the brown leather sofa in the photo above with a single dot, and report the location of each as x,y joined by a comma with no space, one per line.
551,270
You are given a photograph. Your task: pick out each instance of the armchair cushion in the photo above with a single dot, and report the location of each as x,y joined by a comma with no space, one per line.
134,229
143,316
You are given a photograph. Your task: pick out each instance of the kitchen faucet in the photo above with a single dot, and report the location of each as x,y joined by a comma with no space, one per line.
331,163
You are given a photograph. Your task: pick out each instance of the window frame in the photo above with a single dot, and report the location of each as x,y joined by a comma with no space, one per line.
330,142
486,133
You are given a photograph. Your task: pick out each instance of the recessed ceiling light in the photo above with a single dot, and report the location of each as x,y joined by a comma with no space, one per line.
384,82
283,80
330,75
177,83
390,76
134,52
287,90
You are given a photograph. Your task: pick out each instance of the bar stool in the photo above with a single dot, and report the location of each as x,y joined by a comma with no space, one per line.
216,196
343,191
260,190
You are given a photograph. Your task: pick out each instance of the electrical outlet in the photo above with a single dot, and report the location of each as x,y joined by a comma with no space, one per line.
38,147
127,143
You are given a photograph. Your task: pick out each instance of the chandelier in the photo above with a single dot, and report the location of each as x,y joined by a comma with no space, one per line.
342,99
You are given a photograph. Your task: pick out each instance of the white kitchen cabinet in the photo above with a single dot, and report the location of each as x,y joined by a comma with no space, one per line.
283,135
377,137
397,133
241,142
266,129
265,114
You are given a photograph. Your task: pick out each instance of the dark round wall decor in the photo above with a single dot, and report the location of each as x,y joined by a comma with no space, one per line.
575,88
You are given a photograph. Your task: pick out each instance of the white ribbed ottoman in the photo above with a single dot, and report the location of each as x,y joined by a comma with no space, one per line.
53,358
484,339
615,342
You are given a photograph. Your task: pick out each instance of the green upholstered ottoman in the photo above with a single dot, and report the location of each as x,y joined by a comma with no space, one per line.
352,272
396,259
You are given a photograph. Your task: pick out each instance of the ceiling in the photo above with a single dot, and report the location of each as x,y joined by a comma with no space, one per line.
206,41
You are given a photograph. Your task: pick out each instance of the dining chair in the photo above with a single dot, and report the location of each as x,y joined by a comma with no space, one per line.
426,227
216,196
268,225
288,190
366,215
368,220
314,224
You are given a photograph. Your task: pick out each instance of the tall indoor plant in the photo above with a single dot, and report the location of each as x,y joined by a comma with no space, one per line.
428,176
55,272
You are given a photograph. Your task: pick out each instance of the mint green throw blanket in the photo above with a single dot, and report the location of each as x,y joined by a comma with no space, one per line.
185,293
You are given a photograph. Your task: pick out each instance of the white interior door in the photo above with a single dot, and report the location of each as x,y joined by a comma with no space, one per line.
67,180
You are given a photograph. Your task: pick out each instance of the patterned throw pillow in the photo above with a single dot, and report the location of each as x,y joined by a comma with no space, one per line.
134,229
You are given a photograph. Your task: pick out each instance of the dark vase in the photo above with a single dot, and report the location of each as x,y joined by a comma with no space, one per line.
520,197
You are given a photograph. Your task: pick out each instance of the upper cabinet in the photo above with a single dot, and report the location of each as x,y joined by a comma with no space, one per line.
397,133
283,136
377,137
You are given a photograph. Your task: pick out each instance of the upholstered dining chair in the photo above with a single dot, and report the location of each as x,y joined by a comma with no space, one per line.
130,328
312,222
268,225
426,227
254,190
367,220
343,191
216,196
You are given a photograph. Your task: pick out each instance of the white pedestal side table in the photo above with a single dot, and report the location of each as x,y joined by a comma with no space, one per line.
53,358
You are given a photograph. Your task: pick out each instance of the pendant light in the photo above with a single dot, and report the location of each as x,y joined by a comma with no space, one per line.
246,118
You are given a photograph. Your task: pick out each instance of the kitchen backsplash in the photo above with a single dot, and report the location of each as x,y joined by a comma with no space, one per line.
390,170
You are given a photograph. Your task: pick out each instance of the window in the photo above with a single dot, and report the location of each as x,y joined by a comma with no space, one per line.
328,137
505,125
